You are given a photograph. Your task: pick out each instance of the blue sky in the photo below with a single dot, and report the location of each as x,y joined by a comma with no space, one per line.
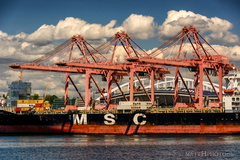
29,28
28,15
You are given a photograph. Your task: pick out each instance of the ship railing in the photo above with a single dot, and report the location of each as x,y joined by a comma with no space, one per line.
50,112
171,110
154,110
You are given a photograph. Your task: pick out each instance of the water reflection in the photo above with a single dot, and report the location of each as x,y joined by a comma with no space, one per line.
120,147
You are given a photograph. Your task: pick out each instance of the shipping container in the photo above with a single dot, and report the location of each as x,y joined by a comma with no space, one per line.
17,109
47,105
26,105
38,104
29,101
39,109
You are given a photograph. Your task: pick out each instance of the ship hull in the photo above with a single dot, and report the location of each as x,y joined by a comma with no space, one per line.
110,123
121,129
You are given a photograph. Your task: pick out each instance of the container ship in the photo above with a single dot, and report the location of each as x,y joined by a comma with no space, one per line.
137,117
140,110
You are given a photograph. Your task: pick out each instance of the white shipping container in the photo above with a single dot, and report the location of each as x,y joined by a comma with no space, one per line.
26,105
137,105
123,107
126,103
134,103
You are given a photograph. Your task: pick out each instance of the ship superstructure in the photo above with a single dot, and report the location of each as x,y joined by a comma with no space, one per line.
231,97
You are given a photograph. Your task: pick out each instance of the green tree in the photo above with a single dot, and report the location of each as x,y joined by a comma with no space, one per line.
50,98
35,96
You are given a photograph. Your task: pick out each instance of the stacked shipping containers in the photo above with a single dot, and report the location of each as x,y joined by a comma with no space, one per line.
27,105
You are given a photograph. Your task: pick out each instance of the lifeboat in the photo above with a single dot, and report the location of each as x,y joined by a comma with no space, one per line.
228,91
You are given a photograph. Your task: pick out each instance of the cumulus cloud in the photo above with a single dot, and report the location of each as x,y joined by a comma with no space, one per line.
226,38
233,52
16,47
3,86
42,36
70,26
218,28
187,51
2,34
139,26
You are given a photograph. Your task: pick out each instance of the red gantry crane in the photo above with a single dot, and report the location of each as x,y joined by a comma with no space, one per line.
106,60
119,48
121,56
205,60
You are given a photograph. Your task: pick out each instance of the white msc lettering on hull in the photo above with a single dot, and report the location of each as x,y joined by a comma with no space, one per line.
82,120
136,116
109,119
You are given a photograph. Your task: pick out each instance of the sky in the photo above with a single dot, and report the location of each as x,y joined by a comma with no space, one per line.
32,28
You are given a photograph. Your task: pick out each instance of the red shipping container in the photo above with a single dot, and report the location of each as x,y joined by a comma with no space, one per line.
18,109
38,105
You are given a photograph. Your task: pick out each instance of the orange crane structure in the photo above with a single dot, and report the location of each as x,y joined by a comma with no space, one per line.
104,60
205,60
120,56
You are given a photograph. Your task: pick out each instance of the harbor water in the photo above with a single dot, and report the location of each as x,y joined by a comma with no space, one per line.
119,147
